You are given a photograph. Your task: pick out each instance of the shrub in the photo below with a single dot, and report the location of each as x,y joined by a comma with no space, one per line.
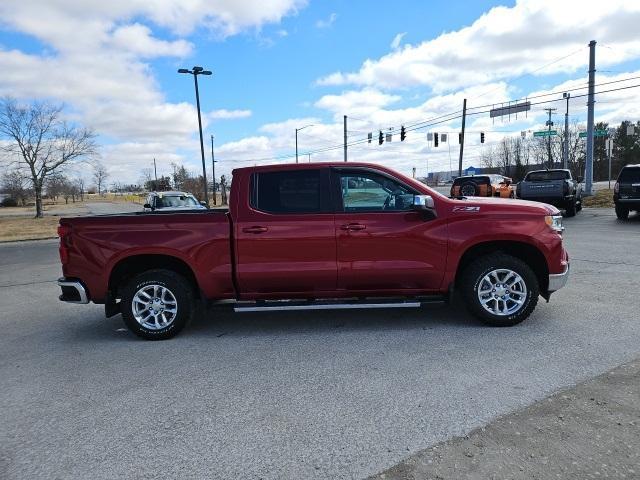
9,202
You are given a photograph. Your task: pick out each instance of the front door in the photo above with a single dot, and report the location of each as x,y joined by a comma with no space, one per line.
384,245
285,235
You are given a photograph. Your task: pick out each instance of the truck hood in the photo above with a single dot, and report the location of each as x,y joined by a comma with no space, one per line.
503,205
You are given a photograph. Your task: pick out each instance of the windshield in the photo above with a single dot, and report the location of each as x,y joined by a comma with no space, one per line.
176,201
547,175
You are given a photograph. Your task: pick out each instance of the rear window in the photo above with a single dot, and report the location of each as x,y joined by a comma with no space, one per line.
629,175
545,176
478,180
289,192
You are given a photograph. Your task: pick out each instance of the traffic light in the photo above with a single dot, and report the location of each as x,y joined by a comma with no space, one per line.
369,137
380,138
403,133
435,139
481,137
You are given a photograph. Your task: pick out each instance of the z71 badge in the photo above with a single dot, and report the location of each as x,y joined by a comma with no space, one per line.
466,209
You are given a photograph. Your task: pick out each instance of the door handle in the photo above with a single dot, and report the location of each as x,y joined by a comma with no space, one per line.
255,229
353,227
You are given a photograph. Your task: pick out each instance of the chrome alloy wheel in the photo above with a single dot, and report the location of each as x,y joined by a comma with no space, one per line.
502,292
154,307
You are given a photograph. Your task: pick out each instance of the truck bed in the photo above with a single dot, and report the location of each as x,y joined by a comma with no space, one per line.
201,239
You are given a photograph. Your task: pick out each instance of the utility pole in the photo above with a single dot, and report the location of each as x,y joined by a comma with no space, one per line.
345,138
297,130
609,147
309,157
464,118
155,171
588,173
213,174
565,150
549,124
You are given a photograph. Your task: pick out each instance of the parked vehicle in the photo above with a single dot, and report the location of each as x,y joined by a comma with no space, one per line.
555,187
316,236
626,191
172,201
482,186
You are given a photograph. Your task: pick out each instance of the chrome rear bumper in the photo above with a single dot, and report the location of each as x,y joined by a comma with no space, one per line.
558,280
72,291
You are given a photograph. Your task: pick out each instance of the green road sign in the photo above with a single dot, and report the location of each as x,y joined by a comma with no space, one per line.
545,133
596,133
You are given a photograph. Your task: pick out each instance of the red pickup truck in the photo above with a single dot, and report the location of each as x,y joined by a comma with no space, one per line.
316,236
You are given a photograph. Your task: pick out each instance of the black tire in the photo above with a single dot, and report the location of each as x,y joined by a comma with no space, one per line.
472,279
177,285
579,205
512,195
468,186
622,212
570,211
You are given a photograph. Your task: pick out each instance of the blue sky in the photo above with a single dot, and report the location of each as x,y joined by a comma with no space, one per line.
282,64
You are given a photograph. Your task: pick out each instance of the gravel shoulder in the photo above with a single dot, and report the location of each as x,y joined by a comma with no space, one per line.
588,431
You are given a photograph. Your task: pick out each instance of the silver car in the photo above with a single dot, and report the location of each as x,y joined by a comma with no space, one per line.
172,201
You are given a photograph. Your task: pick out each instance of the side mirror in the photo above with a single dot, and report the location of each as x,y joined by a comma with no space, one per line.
204,204
580,179
422,203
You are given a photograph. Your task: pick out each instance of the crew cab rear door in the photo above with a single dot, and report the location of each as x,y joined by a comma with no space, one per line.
384,245
285,235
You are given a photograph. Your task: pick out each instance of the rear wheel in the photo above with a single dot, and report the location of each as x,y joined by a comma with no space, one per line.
157,304
579,204
571,208
500,290
469,189
622,213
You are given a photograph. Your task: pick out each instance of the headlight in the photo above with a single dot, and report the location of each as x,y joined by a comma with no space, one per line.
555,222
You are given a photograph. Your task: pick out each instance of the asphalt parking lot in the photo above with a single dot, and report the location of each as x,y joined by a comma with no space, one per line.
291,394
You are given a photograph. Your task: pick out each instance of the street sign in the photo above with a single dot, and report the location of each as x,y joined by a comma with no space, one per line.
545,133
596,133
509,109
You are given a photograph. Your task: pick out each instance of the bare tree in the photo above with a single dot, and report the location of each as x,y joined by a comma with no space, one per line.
41,142
79,183
15,184
100,175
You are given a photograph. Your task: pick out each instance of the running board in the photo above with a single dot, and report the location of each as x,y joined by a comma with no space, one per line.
291,305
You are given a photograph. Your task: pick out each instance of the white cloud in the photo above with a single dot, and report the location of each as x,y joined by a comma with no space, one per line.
228,114
94,60
506,42
328,23
395,43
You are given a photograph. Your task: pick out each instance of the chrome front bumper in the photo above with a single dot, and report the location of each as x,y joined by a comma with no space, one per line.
72,291
558,280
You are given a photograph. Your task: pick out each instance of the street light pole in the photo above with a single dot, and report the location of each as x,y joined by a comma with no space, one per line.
213,173
565,152
297,130
195,71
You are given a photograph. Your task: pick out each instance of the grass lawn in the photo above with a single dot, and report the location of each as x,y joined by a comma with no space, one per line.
601,199
27,228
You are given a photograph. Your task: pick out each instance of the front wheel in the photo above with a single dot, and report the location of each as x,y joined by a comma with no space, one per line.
500,290
157,304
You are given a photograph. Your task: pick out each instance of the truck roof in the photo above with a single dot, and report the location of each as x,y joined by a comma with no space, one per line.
306,165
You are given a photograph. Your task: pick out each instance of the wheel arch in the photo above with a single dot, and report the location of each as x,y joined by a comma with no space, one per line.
128,267
526,252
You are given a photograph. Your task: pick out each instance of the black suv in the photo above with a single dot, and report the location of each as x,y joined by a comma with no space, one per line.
626,193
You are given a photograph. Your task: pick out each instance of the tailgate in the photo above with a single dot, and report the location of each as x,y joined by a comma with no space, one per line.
542,189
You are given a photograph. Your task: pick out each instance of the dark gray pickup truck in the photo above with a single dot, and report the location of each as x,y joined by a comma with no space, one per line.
555,187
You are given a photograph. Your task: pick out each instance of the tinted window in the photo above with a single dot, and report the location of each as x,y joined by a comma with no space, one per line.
289,192
544,176
630,175
479,180
371,192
